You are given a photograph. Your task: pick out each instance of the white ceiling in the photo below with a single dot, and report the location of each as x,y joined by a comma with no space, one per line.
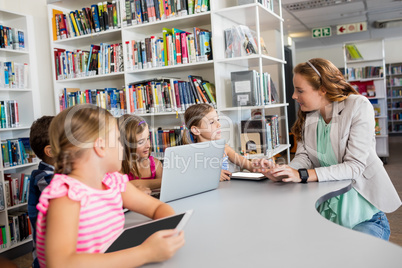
298,24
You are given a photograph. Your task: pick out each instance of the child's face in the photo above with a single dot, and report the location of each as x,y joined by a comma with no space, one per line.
143,143
210,128
115,149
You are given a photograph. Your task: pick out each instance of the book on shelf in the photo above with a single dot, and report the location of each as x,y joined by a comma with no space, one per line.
202,40
99,59
19,226
111,99
173,48
98,17
364,72
12,38
169,94
7,193
164,138
17,152
17,187
2,199
352,52
247,89
9,114
241,41
272,125
14,74
250,143
268,132
369,88
257,127
3,236
144,11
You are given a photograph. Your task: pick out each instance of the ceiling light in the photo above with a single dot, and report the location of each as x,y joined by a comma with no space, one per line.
313,4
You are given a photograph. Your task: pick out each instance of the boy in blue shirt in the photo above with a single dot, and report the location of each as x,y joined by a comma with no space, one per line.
40,178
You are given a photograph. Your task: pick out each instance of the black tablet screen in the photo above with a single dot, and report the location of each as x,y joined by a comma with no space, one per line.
137,234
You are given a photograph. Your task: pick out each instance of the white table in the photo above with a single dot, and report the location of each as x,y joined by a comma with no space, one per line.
266,224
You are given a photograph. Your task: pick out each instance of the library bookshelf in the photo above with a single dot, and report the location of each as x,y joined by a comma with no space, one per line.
394,89
368,75
265,22
28,111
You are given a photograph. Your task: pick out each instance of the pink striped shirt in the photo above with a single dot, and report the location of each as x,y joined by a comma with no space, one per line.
101,215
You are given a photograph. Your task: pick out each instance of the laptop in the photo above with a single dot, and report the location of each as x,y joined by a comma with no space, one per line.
191,169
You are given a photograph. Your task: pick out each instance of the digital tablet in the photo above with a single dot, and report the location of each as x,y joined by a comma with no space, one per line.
135,235
253,176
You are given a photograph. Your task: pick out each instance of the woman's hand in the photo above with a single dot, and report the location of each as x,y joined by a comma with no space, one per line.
225,175
274,171
162,245
285,173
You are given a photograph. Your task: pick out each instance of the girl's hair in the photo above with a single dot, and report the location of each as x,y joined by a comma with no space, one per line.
130,126
74,130
192,117
326,76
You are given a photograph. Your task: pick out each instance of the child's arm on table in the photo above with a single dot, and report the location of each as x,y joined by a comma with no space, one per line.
137,201
238,159
62,230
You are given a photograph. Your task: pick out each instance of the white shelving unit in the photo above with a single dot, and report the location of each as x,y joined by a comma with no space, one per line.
373,54
222,14
394,89
28,108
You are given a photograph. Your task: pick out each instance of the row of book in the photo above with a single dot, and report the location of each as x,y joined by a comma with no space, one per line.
16,152
395,70
395,104
12,38
99,17
397,128
394,82
247,89
241,41
364,72
9,114
396,116
175,47
14,74
19,228
111,99
167,95
16,188
143,11
396,93
164,138
259,135
99,59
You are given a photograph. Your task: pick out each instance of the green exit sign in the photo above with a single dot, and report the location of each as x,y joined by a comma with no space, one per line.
321,32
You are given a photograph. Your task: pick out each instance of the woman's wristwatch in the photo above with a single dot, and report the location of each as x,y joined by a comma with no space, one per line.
303,175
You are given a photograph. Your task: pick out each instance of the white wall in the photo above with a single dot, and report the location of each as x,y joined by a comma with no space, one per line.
38,10
334,53
393,52
331,53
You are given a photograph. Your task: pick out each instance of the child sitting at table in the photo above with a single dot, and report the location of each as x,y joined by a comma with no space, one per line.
143,170
202,124
81,211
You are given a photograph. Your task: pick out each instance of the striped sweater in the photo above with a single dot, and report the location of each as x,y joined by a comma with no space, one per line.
101,216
